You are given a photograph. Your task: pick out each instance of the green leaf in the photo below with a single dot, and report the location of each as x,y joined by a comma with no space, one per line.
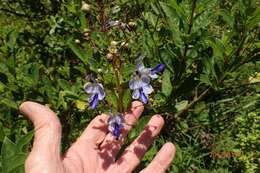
166,83
173,22
2,87
12,163
227,17
8,148
112,99
254,20
70,94
64,84
139,127
126,98
178,9
78,52
181,105
149,155
83,21
24,141
9,103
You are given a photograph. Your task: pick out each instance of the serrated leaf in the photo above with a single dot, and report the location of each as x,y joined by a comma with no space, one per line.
166,83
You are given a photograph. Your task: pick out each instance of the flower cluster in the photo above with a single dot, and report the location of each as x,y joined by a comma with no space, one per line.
140,82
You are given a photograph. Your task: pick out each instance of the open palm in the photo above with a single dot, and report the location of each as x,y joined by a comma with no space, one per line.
95,151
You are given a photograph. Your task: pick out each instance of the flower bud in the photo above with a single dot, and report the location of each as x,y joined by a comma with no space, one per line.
77,41
113,50
132,24
124,44
109,56
85,7
113,43
86,35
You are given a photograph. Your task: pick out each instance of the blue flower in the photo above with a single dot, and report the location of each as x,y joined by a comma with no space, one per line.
96,92
115,124
140,82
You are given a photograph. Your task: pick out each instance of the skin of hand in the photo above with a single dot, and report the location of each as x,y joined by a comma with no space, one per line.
95,151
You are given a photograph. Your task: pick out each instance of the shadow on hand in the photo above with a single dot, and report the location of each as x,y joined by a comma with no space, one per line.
137,148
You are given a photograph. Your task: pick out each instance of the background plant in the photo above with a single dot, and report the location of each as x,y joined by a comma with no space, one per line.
208,94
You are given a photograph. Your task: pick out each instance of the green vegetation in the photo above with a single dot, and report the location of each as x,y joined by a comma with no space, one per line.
209,93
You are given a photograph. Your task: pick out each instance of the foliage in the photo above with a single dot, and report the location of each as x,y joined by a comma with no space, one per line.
208,93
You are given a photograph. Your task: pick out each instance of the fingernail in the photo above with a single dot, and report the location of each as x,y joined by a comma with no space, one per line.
151,128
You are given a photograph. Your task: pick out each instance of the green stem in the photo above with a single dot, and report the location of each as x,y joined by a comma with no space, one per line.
194,101
119,91
117,70
190,25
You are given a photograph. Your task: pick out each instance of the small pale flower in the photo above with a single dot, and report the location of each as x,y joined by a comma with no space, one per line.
115,124
96,92
124,26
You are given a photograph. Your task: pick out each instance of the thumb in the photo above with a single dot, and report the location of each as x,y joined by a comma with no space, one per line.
47,130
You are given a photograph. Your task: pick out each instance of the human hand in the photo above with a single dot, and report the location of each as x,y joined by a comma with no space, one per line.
96,149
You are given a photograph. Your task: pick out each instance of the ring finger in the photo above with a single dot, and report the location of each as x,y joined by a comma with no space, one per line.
110,146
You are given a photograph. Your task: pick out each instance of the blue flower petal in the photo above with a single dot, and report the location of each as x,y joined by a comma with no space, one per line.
136,94
116,131
93,101
140,67
132,83
145,79
89,88
147,89
158,69
119,119
115,124
135,83
101,92
143,97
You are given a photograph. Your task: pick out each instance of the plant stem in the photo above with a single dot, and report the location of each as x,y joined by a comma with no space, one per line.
117,65
195,100
190,25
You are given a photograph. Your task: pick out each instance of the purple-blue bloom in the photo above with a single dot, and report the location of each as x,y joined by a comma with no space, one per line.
140,82
115,124
158,69
96,92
